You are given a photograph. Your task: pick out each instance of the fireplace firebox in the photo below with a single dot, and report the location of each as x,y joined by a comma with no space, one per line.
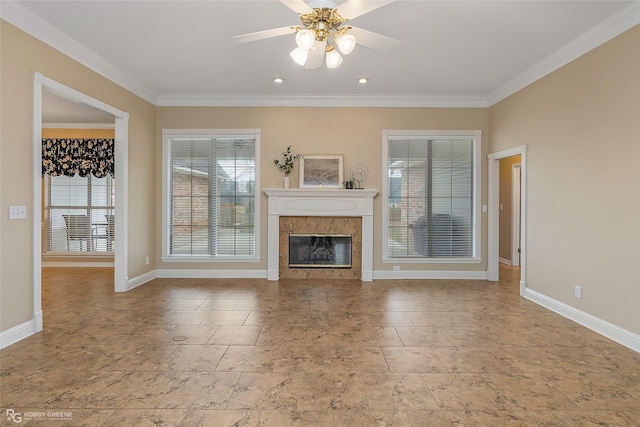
319,250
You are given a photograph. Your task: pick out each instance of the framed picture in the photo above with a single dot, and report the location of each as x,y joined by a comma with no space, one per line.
321,171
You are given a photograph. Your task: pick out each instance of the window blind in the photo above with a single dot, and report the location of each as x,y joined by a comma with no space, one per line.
211,196
430,197
78,214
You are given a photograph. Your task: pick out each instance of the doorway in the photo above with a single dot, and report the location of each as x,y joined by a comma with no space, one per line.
509,215
494,214
516,177
121,122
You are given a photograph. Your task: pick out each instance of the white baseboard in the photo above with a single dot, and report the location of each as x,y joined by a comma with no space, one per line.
430,274
604,328
504,260
65,264
17,333
211,274
262,274
38,321
141,279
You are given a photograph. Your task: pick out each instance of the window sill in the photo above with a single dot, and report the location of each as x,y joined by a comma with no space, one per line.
209,259
432,260
78,254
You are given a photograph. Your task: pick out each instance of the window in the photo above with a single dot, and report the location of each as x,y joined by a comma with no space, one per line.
210,199
431,211
78,214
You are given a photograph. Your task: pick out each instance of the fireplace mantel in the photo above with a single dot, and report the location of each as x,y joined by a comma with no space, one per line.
319,202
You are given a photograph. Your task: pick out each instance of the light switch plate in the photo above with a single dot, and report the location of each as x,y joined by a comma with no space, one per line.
17,212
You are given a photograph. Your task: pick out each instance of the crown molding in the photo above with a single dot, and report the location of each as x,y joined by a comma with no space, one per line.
212,100
20,16
601,33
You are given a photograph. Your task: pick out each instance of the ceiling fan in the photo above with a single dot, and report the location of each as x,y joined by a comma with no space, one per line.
323,31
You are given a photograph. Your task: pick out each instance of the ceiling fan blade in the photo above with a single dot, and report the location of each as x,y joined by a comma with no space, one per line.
316,55
375,41
275,32
298,6
354,8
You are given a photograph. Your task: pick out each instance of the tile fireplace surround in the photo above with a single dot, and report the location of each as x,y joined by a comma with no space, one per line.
319,202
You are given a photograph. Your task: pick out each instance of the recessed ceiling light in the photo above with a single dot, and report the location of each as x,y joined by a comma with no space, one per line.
278,79
363,80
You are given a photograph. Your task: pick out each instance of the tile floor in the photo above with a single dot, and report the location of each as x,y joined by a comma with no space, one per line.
311,353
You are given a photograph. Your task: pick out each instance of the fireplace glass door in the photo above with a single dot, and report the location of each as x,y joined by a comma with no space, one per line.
319,250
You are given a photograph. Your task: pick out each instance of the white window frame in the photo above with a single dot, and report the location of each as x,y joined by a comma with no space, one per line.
46,182
476,135
167,135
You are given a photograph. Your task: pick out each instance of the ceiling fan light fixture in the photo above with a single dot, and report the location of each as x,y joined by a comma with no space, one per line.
333,58
305,38
345,42
323,35
299,55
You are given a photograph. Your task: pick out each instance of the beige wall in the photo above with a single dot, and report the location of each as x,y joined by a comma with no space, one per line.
582,128
506,189
78,133
21,56
356,133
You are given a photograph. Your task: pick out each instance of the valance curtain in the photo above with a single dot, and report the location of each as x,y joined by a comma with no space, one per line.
76,156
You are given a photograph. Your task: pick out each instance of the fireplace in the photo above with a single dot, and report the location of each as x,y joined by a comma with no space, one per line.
320,211
320,226
319,250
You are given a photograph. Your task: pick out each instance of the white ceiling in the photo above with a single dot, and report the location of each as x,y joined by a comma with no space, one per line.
454,53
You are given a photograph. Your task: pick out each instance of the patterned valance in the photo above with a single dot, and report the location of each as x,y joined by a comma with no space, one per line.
75,156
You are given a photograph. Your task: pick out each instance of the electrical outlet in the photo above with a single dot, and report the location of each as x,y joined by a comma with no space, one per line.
146,260
578,291
396,268
17,212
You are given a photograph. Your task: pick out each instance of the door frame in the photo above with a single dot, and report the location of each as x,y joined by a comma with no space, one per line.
121,119
516,174
494,213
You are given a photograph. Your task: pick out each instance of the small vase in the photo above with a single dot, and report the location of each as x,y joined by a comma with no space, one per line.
286,182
